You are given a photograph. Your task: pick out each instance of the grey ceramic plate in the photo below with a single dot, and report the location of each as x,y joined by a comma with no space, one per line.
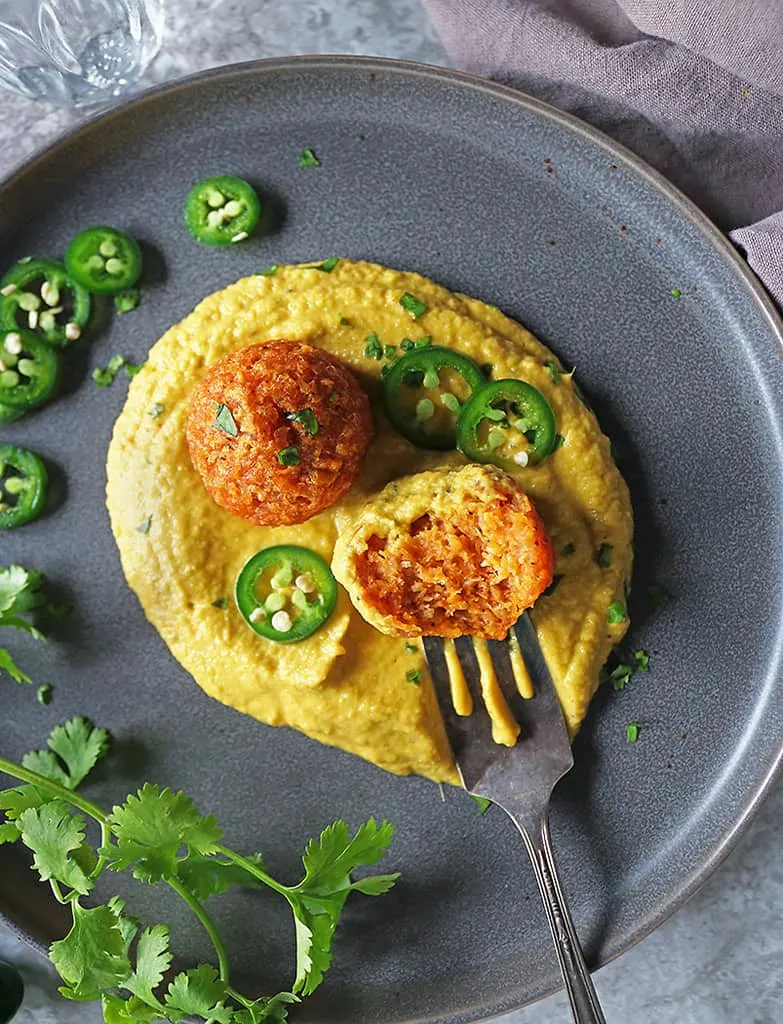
501,197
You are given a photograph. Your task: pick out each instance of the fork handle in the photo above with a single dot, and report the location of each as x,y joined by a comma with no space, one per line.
585,1007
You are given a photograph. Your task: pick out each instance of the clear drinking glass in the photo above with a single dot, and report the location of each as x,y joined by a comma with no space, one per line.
77,52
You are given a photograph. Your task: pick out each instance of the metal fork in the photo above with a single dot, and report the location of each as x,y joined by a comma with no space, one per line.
520,779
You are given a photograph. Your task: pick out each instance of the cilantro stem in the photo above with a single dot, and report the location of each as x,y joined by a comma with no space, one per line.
18,771
253,869
206,923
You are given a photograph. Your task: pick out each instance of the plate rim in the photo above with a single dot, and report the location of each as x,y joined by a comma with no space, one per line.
717,239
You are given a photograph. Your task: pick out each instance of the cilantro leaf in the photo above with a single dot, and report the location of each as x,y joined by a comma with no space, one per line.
224,420
7,664
307,158
641,660
125,301
554,371
289,456
307,419
616,613
105,378
318,900
127,1011
153,959
209,876
632,731
329,860
483,802
150,829
92,956
412,305
199,992
78,744
267,1008
52,832
373,348
21,590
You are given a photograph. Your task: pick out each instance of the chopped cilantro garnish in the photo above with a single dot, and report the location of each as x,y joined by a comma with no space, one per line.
44,694
344,321
412,305
328,265
558,442
483,803
269,271
620,675
413,675
616,612
632,731
373,348
105,378
125,301
604,556
307,419
659,596
155,410
554,372
406,344
641,660
144,525
676,293
390,351
224,420
307,158
424,342
411,648
220,603
289,456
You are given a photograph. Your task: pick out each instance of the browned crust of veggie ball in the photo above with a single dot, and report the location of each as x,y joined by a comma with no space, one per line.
263,386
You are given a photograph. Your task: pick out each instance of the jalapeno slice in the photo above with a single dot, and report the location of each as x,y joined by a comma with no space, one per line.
222,210
103,260
29,369
39,296
507,422
23,481
285,593
424,392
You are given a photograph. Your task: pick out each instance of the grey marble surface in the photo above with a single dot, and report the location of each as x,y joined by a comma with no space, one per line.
720,958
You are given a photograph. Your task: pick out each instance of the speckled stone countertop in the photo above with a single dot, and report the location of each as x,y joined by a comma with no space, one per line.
719,960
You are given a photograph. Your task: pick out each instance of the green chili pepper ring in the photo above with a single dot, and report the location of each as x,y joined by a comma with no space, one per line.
29,369
23,490
526,409
423,363
222,210
302,593
40,297
104,260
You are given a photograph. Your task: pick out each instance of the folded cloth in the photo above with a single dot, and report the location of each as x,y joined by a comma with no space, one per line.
695,87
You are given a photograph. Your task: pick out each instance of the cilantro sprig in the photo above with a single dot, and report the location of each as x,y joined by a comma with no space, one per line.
160,836
22,591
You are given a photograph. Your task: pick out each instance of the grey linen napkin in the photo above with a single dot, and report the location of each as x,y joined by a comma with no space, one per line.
695,87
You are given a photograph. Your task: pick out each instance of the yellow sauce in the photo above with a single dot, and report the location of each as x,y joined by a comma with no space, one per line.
519,668
460,693
505,728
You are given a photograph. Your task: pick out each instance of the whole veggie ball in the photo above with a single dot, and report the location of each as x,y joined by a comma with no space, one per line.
277,431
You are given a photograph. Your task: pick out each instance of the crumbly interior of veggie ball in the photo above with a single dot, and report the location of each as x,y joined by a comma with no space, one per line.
277,431
469,564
